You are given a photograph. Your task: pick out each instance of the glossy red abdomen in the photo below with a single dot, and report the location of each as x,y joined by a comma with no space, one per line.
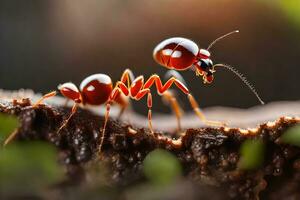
176,53
96,89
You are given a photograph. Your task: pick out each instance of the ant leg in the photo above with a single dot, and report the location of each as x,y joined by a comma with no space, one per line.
10,137
104,127
140,95
46,96
149,104
14,133
162,88
116,91
202,117
121,98
169,97
127,77
73,111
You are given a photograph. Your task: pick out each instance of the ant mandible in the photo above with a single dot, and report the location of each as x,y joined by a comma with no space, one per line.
98,89
180,54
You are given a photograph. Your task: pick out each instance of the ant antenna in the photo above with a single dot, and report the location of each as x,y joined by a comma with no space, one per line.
243,78
220,38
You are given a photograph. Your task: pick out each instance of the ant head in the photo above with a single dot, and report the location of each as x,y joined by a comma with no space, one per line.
205,68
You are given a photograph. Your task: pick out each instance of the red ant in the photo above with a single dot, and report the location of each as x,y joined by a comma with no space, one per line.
98,89
181,54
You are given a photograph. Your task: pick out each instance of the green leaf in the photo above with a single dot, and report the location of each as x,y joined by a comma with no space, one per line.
291,8
8,123
28,168
288,8
161,167
292,136
252,154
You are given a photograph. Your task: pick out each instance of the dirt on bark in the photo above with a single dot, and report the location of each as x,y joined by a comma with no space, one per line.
209,156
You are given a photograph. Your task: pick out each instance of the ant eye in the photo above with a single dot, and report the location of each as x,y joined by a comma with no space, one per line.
205,64
70,91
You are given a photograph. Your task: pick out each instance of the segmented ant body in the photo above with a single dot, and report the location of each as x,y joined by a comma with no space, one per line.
181,54
98,89
174,53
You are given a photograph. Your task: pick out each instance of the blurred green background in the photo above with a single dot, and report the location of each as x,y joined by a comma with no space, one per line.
44,43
